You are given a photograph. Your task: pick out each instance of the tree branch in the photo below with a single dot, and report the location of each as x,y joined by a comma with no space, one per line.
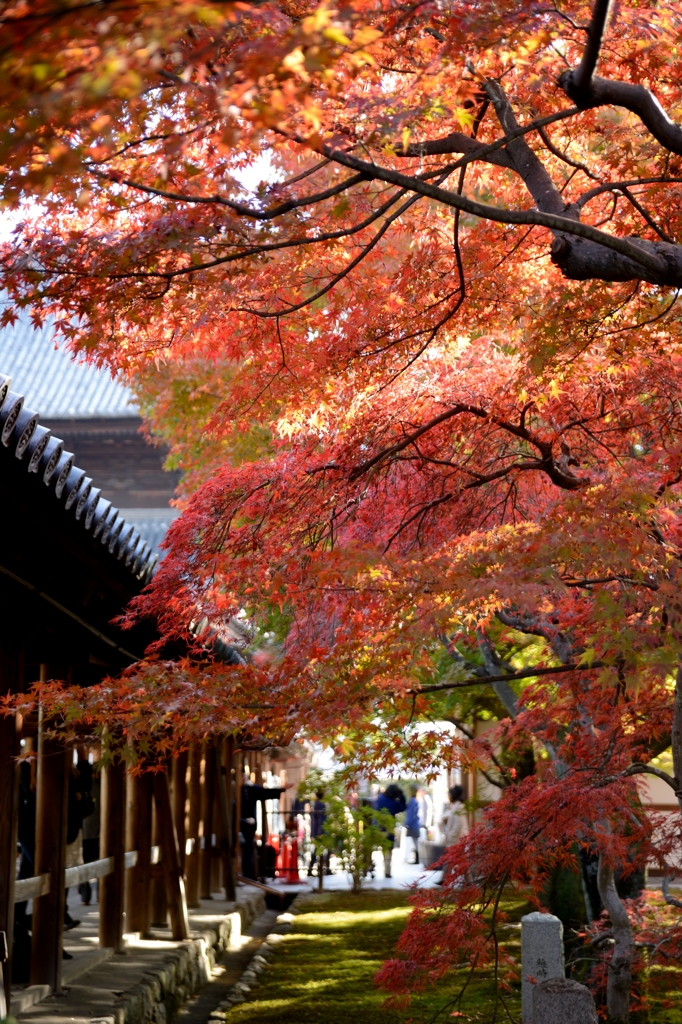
672,901
635,98
411,438
564,156
644,769
241,208
528,166
458,142
583,74
526,673
658,262
560,644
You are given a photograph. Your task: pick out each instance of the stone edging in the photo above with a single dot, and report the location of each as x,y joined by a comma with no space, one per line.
249,977
161,993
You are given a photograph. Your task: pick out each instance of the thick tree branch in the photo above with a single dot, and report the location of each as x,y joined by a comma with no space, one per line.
671,900
530,169
583,74
636,98
676,734
645,769
458,142
658,262
557,469
493,663
619,974
558,641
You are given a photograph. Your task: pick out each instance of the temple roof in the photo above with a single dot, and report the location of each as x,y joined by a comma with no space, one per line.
31,456
53,382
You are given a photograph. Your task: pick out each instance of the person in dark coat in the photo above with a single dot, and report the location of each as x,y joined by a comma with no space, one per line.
318,813
21,959
91,825
393,801
251,795
413,822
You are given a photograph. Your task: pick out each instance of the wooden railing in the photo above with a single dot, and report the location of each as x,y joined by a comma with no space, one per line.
32,888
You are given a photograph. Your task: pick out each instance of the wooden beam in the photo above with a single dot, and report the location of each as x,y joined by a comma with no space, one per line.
11,681
139,877
193,859
207,801
112,844
170,858
52,789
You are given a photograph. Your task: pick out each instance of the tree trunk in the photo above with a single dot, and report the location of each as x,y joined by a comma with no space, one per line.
676,738
620,975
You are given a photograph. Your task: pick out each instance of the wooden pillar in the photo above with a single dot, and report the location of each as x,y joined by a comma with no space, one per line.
11,681
216,862
207,801
52,789
192,860
224,779
112,844
179,775
138,887
265,832
159,903
238,783
170,858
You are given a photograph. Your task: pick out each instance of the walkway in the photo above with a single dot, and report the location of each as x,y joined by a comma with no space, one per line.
96,980
403,876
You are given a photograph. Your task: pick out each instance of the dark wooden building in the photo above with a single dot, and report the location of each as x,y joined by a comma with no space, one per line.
97,418
69,564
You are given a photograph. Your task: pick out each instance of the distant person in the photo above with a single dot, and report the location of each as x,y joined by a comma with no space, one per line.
425,808
452,822
21,960
251,795
79,805
318,814
393,801
413,822
91,825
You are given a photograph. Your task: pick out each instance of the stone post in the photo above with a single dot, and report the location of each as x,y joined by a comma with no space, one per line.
542,955
562,1001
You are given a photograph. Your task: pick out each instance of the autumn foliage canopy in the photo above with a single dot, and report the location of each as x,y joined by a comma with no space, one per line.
398,282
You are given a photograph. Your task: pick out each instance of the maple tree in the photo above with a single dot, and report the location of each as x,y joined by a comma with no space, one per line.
422,378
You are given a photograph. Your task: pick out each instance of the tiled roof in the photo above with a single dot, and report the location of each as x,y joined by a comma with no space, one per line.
42,454
54,382
153,524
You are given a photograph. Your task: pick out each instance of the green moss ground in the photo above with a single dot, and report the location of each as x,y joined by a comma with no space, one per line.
323,972
324,969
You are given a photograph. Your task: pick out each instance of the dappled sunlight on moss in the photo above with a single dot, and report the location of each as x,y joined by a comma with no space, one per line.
324,971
